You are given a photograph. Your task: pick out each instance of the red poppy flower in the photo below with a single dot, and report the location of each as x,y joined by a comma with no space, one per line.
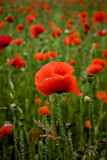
104,52
99,16
56,77
6,129
69,23
56,32
4,41
3,24
52,54
95,68
86,27
83,14
34,13
38,100
39,56
11,7
101,33
44,110
102,95
10,18
99,61
35,30
1,10
21,9
97,45
19,28
63,17
48,9
77,41
47,55
17,41
17,62
30,19
72,62
88,124
67,41
27,9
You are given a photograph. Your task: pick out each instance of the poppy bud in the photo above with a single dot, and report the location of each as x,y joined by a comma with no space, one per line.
87,99
103,144
90,78
21,122
67,31
80,153
68,125
48,117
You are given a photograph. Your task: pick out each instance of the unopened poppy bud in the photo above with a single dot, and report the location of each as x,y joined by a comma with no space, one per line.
25,54
67,31
80,153
87,99
48,117
22,69
90,78
103,144
21,122
68,125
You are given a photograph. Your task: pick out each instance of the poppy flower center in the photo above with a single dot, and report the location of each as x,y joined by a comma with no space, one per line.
59,92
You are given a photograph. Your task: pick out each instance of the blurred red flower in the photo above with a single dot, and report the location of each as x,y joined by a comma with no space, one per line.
102,95
38,100
39,56
99,16
52,54
88,124
30,19
36,29
10,18
99,61
19,28
4,41
104,52
1,10
72,62
56,32
95,68
6,129
3,24
44,110
17,62
17,41
21,9
77,41
56,77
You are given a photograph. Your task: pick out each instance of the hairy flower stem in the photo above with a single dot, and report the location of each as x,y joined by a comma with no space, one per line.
66,150
81,120
70,140
21,144
15,135
29,144
45,142
92,115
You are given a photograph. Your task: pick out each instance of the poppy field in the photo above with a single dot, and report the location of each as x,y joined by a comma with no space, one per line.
53,80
